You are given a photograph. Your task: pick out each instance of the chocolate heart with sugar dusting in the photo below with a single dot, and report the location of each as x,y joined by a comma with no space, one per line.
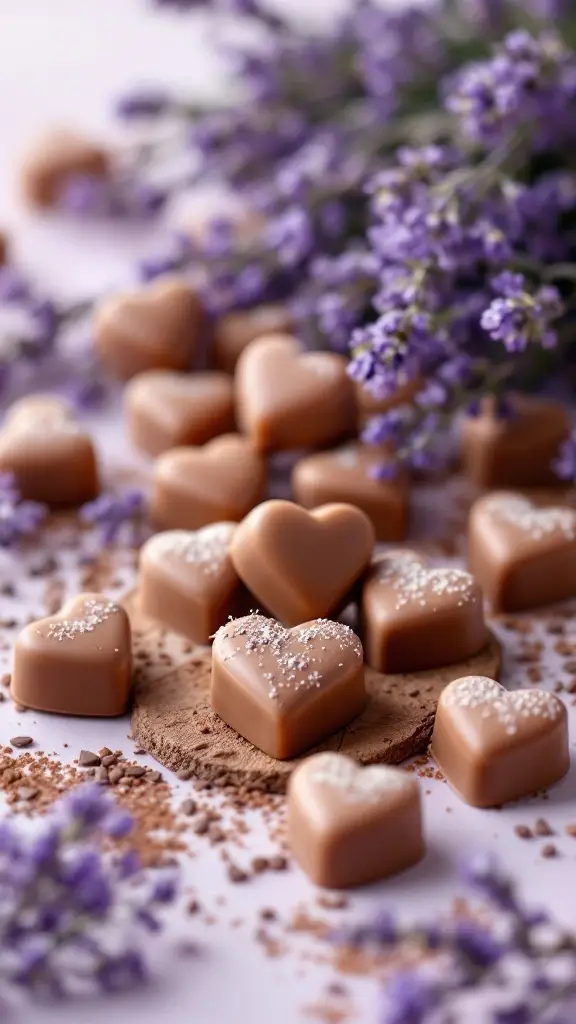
495,745
52,458
78,662
218,482
289,399
284,690
350,825
523,556
301,564
166,410
417,617
187,580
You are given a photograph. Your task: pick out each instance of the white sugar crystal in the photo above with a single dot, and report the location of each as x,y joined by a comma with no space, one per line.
506,706
536,522
94,613
415,582
356,783
206,549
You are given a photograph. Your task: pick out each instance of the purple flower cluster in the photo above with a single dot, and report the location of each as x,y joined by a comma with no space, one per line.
71,915
18,519
519,318
514,965
117,517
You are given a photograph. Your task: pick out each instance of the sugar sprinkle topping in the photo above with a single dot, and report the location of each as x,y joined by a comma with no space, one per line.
297,669
416,583
506,707
356,783
206,549
537,522
94,613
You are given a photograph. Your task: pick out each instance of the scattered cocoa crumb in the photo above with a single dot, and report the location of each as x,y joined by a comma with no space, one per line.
236,874
87,759
259,864
194,906
268,914
277,863
332,900
6,679
104,751
21,741
549,850
189,807
201,825
571,831
523,832
542,828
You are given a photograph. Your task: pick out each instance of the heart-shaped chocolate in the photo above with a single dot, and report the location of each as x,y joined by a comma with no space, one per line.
234,332
495,745
187,580
345,475
287,398
51,457
54,160
349,825
78,662
165,410
219,482
516,450
416,617
300,564
156,328
286,689
522,556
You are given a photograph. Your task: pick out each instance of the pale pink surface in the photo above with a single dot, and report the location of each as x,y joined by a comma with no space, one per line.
62,63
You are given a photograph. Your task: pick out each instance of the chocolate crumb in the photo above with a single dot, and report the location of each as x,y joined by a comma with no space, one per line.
102,776
189,807
21,741
88,759
27,793
542,828
201,825
105,752
523,832
278,863
549,850
259,864
571,831
184,774
332,901
108,760
6,679
236,874
268,914
135,771
193,906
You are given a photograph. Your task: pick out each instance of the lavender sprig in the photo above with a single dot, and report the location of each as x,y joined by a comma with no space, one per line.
71,915
516,964
18,519
117,517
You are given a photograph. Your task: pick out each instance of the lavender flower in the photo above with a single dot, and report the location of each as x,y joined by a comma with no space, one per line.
18,519
117,516
519,318
565,463
71,915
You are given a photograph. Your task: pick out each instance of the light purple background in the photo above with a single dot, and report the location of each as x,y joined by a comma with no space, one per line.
62,62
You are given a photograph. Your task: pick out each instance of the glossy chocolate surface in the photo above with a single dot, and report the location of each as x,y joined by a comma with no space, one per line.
51,457
288,399
298,564
344,474
219,482
78,662
516,451
495,745
417,617
166,410
522,556
349,825
284,690
188,583
155,328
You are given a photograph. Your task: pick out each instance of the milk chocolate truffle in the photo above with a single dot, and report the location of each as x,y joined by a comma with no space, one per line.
219,482
521,555
416,617
346,474
284,690
517,450
77,662
287,398
155,328
165,410
54,160
188,583
300,564
234,332
349,825
52,459
494,745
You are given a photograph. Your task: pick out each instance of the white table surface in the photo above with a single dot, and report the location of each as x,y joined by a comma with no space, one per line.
62,63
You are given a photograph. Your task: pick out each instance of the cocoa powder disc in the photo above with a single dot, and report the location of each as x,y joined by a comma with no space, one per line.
172,718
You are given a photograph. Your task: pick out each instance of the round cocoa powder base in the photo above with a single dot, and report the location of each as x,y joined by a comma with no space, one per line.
172,718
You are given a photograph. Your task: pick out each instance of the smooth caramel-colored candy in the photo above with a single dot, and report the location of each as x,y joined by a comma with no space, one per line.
344,475
494,745
54,160
349,825
167,410
287,398
284,690
416,617
234,332
518,450
188,583
522,556
302,565
78,662
52,459
155,328
219,482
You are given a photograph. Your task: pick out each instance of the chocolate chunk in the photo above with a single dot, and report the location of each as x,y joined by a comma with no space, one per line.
135,771
21,741
88,760
236,874
523,832
349,825
189,807
494,746
542,828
